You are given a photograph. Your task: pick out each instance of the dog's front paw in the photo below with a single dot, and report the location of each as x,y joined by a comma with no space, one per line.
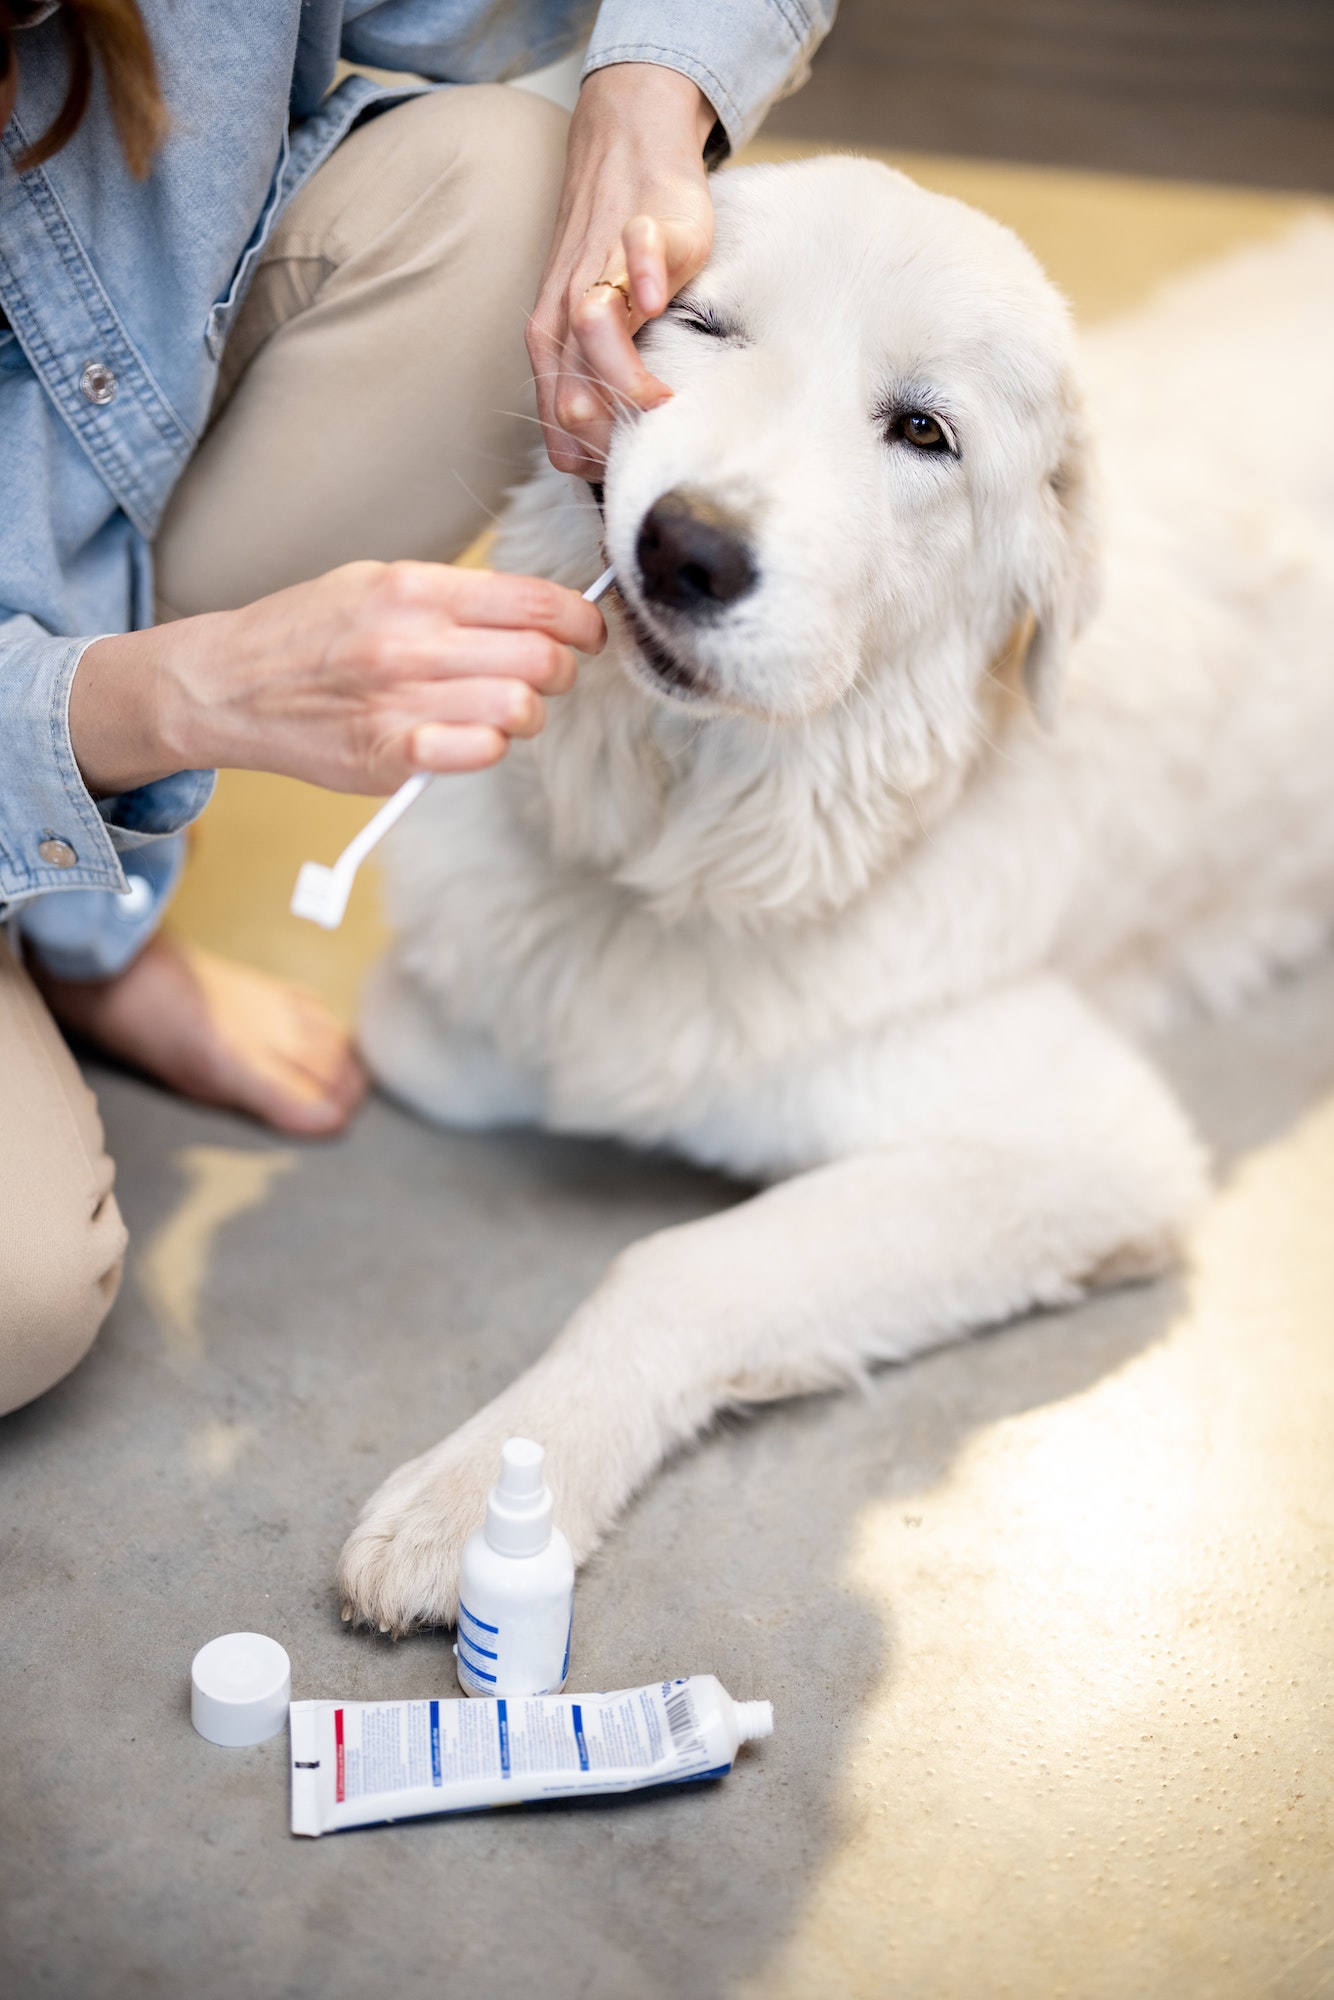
400,1566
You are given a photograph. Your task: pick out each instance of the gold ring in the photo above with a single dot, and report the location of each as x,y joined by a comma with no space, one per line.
621,285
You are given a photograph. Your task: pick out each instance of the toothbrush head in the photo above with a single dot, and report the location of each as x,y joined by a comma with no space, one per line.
320,896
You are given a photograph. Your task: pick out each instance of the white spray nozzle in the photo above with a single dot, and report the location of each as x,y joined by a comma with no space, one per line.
518,1509
321,893
521,1468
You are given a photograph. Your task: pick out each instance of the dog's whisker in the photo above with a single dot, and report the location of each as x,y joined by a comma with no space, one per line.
620,396
594,451
476,498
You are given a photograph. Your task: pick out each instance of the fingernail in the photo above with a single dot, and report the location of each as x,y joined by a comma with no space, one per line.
649,296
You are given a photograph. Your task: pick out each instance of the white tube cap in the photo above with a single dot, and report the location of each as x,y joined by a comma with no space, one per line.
240,1688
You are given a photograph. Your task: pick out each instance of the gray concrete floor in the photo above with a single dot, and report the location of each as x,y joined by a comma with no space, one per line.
1045,1618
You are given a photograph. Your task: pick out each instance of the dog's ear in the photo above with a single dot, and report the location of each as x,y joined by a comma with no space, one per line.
1063,596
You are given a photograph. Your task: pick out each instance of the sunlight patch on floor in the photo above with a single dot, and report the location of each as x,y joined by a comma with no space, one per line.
1086,1770
221,1182
214,1448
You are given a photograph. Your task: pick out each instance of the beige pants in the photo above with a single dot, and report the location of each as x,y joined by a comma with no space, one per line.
374,401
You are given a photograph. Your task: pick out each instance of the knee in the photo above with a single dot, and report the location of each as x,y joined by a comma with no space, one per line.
505,129
57,1285
508,146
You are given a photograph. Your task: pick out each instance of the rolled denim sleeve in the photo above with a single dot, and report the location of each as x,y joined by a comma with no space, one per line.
464,41
744,56
93,933
54,837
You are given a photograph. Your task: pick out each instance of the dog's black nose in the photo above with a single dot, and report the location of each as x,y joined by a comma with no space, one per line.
692,556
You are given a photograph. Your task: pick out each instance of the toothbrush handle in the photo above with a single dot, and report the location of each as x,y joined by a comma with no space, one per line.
394,808
375,828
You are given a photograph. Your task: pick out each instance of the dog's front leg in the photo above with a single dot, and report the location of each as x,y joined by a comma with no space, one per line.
1030,1153
619,1387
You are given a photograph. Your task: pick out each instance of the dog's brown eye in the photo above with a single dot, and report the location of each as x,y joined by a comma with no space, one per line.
922,430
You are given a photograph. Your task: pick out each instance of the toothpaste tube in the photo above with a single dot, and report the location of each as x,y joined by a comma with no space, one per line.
355,1763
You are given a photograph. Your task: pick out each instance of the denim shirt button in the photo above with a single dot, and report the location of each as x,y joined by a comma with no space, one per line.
97,383
56,853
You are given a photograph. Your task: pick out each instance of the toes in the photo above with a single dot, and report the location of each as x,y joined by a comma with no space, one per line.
275,1050
399,1570
327,1071
349,1082
397,1582
291,1103
306,1096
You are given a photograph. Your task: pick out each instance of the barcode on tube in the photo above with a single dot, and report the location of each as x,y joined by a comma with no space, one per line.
681,1722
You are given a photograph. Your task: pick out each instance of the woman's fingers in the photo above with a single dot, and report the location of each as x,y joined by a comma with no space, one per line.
453,725
601,369
327,681
511,706
578,433
604,366
479,599
660,257
647,266
601,325
433,651
448,746
635,150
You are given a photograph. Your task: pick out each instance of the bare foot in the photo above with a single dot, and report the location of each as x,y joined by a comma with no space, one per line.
221,1033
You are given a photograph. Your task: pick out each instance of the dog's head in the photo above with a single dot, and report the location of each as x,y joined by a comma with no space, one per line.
868,491
872,468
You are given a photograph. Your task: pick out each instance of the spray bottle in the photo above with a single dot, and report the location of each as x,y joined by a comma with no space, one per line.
516,1587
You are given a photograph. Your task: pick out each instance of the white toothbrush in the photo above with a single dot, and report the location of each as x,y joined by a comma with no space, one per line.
321,893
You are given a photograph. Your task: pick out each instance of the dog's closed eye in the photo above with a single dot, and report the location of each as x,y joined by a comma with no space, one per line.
702,319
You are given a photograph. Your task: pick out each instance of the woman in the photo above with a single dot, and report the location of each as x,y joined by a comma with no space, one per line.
261,339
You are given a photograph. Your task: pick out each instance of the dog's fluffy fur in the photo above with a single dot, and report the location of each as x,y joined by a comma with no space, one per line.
868,898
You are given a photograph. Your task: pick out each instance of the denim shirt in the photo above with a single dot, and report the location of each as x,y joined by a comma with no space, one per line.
119,295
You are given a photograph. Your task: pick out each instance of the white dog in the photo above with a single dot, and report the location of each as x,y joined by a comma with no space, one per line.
848,865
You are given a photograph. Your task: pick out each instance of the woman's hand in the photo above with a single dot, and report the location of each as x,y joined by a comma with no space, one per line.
353,681
636,207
